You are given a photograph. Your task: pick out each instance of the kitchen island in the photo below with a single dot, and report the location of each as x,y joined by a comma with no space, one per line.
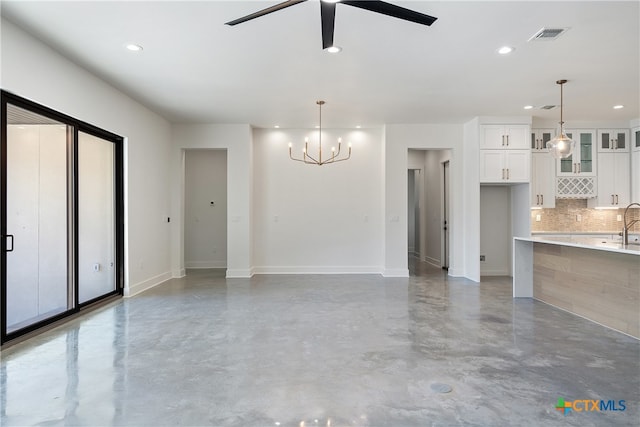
593,277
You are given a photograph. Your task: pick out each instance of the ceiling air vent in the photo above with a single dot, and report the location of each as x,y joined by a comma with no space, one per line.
548,34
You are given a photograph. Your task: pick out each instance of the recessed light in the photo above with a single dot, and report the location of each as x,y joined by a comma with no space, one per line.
277,126
333,49
134,47
358,127
618,107
528,107
504,50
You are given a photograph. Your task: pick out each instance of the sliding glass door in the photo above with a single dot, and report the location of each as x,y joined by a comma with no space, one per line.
37,160
96,225
62,227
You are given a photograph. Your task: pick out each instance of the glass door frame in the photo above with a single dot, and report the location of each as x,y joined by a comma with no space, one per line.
74,126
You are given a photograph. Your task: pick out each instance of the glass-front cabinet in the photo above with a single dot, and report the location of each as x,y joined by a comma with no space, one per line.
613,140
582,162
540,137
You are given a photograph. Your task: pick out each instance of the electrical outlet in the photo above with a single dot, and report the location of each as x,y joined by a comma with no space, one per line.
96,267
482,258
538,218
578,217
619,218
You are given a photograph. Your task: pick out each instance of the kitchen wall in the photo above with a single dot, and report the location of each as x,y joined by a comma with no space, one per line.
564,218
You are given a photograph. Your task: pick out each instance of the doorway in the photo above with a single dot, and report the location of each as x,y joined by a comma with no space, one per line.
62,216
429,207
413,210
205,208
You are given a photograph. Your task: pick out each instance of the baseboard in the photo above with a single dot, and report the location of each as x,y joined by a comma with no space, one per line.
494,272
205,264
239,273
432,261
147,284
350,269
396,272
177,274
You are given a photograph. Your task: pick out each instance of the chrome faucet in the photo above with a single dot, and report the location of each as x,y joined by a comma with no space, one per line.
625,229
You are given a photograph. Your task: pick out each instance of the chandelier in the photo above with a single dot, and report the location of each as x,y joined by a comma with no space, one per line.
561,146
318,160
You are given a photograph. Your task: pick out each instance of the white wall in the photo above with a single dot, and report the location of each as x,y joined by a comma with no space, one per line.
318,219
237,141
34,71
205,224
464,184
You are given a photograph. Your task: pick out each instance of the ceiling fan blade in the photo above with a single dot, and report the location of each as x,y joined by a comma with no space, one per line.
392,10
328,16
266,11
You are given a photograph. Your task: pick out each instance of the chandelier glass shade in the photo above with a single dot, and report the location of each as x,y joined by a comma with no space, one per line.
318,159
561,146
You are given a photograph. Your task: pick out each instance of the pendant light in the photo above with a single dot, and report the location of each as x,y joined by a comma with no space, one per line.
561,146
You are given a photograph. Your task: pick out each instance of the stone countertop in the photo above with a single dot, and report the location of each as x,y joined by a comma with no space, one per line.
589,242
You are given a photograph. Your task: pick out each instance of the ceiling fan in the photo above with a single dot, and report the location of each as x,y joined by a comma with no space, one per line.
328,14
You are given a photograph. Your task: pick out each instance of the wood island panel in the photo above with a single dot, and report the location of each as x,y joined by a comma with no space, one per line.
599,285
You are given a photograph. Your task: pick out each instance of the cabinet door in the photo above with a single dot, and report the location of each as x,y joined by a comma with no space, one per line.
635,176
543,180
613,180
492,167
518,165
493,136
587,161
636,139
516,137
583,160
621,179
539,139
613,140
606,183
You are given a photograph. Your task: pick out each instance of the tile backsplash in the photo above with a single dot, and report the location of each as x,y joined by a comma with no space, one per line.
564,218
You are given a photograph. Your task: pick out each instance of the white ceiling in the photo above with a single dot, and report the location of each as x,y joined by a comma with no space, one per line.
272,70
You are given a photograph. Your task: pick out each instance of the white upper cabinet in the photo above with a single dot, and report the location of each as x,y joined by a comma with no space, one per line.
613,140
505,166
613,180
543,180
582,162
504,137
539,139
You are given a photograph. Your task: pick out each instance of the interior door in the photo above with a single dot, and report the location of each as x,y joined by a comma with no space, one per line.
445,210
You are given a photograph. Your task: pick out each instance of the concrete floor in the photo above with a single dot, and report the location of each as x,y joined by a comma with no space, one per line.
321,351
